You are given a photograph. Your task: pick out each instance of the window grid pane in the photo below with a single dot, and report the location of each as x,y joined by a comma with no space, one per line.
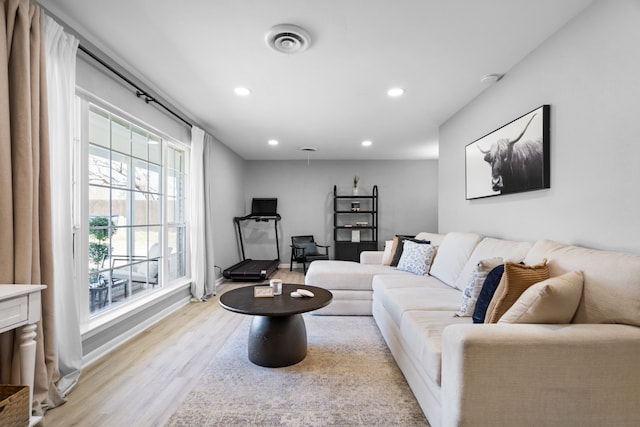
125,165
177,235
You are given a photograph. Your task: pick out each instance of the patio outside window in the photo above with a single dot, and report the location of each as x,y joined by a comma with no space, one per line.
136,210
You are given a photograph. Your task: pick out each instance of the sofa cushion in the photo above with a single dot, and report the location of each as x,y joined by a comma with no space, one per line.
486,294
421,332
399,300
472,289
554,300
309,248
434,238
416,258
154,253
515,280
611,291
383,282
348,275
453,253
489,247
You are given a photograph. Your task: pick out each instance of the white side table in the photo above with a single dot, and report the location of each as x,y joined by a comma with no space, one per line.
20,309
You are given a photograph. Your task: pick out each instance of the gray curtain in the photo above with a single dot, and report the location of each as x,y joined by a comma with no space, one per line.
202,261
209,201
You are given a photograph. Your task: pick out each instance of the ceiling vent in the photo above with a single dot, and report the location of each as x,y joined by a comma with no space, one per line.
287,38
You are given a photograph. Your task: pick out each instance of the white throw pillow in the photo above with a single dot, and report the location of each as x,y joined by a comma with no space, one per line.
453,253
474,286
554,300
416,257
388,254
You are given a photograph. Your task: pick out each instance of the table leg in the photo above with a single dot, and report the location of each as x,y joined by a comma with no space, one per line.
277,341
28,358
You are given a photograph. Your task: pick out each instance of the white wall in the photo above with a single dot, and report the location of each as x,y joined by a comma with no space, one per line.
228,190
589,73
98,81
407,198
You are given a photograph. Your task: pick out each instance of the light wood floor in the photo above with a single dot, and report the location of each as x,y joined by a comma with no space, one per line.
142,382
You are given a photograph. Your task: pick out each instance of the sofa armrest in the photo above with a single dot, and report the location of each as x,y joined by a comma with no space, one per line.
560,375
371,257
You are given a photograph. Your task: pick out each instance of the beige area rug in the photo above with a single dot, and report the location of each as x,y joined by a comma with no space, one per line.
349,378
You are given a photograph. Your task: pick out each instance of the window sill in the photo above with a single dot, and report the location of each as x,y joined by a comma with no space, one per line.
104,320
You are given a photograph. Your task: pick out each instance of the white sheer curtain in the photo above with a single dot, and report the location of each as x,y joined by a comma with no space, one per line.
209,144
61,80
197,216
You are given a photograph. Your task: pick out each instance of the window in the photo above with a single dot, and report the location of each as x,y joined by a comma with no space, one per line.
176,223
134,199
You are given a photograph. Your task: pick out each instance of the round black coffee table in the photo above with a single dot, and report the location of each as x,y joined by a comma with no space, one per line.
278,336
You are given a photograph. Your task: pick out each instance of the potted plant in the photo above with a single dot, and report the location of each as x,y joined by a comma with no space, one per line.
98,247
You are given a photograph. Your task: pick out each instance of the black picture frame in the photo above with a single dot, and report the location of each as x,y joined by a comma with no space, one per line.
512,159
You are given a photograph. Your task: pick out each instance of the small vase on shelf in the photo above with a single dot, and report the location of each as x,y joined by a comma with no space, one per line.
354,191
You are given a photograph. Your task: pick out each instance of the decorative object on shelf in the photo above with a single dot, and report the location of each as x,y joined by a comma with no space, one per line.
511,159
362,223
355,206
355,235
355,185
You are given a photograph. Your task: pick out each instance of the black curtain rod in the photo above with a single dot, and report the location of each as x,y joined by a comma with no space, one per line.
140,93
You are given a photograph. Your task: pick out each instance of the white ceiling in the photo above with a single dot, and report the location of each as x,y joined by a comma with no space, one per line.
332,96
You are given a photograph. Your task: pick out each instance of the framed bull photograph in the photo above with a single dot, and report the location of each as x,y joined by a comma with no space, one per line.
511,159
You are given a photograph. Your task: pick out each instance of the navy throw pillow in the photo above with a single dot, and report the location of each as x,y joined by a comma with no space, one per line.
488,289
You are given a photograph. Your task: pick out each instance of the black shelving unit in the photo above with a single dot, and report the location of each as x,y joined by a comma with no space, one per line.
347,218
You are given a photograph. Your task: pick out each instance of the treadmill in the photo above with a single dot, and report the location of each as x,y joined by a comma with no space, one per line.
262,210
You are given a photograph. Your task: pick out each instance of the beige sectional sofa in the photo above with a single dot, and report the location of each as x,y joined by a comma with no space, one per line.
582,373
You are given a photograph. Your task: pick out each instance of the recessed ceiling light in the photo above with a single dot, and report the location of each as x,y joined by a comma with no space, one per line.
366,143
242,91
273,142
396,91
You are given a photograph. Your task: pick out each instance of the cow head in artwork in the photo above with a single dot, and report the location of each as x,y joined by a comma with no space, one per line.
515,167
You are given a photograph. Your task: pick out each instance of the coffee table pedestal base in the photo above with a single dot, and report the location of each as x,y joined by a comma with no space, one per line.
277,341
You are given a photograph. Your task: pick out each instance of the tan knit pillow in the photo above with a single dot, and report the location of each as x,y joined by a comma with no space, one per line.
515,280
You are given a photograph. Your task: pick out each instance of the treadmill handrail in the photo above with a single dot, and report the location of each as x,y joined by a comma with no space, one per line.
256,217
